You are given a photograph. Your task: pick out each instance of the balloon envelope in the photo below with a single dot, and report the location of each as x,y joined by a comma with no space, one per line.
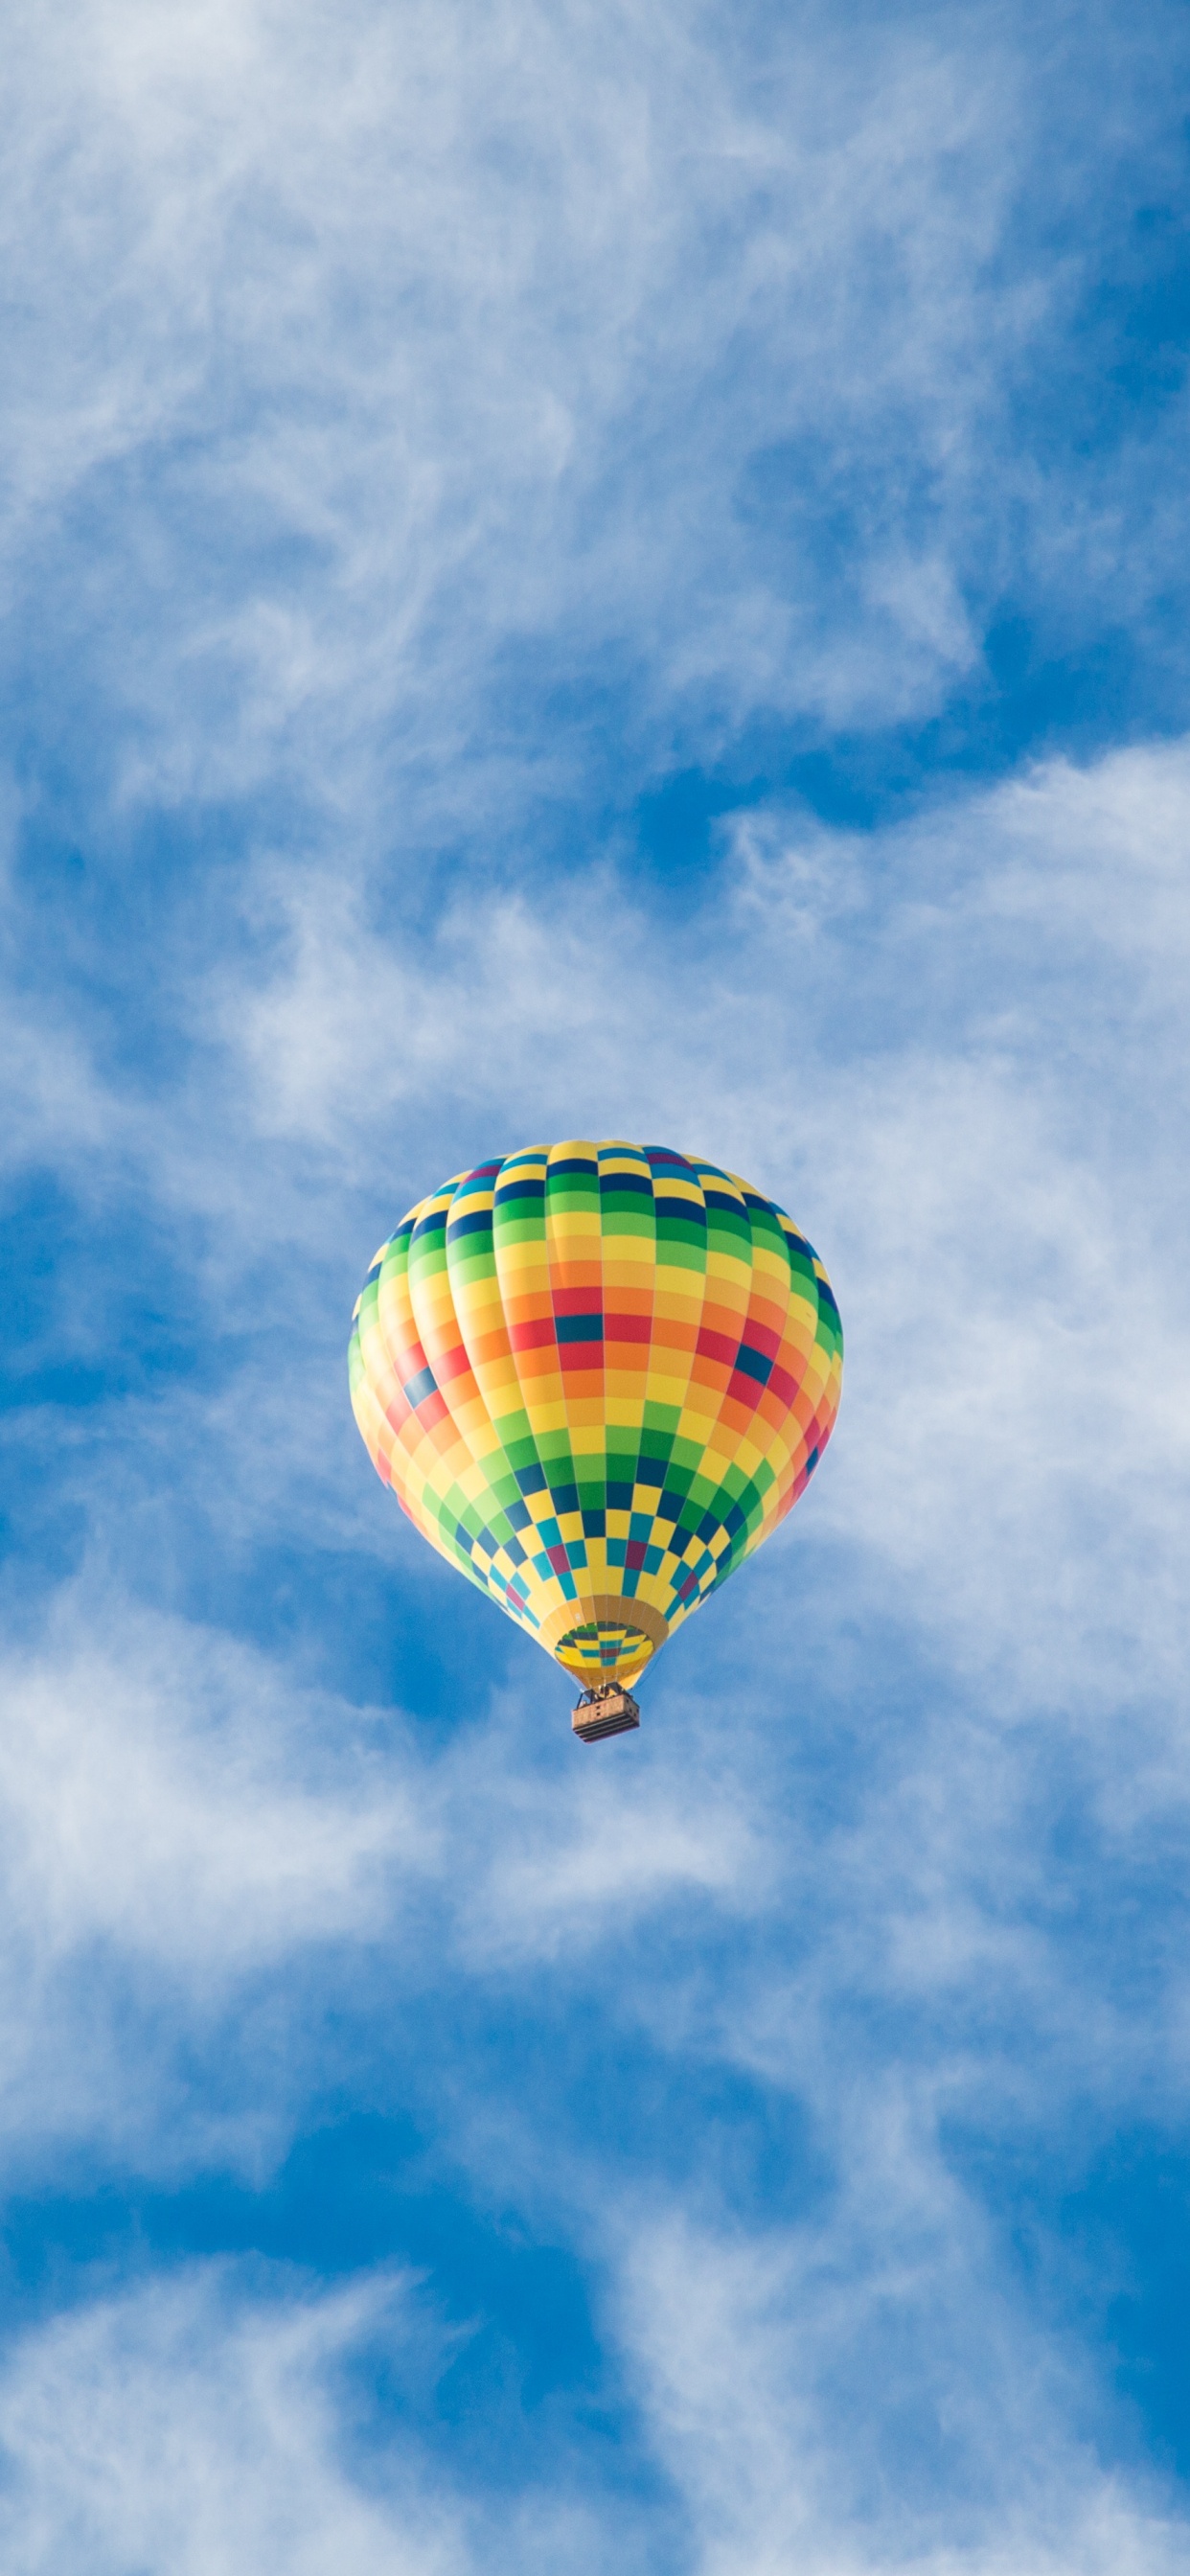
596,1376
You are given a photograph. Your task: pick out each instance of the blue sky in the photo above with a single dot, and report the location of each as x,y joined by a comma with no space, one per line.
587,571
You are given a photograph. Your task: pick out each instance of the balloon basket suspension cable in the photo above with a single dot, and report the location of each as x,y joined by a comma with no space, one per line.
605,1709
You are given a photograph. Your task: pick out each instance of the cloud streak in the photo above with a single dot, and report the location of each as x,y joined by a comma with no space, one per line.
389,414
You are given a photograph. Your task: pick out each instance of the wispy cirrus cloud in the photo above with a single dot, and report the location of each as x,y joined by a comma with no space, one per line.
354,419
182,2424
751,2356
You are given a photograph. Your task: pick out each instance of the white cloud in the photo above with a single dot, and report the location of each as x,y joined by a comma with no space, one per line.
178,1831
185,2428
160,1791
578,1860
207,2421
817,2423
207,1861
358,351
223,2421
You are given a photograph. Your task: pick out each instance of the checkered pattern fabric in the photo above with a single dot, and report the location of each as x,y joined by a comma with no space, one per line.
596,1376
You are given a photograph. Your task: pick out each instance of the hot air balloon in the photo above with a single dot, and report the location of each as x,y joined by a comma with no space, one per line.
596,1376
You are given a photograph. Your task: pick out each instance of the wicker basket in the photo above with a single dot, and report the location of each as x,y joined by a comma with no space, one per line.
606,1712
